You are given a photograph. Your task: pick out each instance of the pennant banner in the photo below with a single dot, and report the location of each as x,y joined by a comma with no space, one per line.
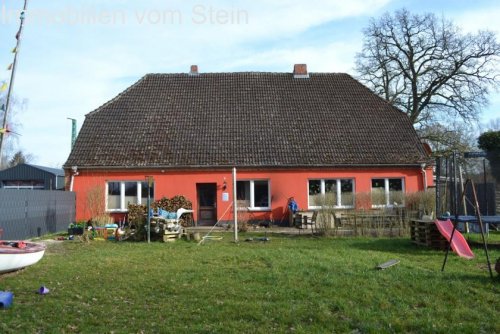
2,108
10,67
14,50
3,88
6,130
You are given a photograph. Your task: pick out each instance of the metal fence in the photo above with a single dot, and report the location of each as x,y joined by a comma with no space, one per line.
486,197
27,214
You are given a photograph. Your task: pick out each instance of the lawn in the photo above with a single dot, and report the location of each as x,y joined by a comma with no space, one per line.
290,284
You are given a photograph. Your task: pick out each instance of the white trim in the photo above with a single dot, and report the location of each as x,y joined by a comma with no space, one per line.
106,192
338,189
24,187
123,205
252,206
122,195
387,192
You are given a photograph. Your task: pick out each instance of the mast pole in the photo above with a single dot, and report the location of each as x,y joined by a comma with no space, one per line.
12,77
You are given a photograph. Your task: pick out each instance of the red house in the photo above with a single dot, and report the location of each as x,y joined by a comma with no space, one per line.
307,135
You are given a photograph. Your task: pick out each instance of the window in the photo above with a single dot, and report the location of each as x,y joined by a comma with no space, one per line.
253,194
387,192
331,192
120,194
20,184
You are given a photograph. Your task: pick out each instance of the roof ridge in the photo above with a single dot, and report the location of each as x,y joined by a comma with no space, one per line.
242,72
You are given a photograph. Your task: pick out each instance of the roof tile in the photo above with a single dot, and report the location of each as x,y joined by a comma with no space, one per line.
246,119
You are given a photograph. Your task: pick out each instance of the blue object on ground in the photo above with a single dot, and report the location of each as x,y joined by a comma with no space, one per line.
43,290
6,298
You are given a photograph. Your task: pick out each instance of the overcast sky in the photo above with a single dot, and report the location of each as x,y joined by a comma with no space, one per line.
76,55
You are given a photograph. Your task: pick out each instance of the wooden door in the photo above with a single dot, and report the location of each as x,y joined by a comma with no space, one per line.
207,203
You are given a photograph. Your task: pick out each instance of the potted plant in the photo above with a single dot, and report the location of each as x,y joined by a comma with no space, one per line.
76,228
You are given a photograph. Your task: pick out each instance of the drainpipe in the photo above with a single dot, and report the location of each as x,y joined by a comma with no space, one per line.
424,175
235,207
74,173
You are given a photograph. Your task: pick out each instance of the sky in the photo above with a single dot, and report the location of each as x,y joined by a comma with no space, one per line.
76,55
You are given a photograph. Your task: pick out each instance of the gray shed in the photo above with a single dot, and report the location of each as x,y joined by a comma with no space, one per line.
25,176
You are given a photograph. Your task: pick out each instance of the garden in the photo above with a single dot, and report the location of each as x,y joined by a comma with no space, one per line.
287,284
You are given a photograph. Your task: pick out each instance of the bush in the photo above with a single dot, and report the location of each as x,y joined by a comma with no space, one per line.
137,221
423,202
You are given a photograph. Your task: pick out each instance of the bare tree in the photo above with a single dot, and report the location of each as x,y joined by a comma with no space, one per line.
11,140
494,124
426,67
456,137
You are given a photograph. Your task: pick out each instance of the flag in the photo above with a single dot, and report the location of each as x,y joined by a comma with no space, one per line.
6,130
10,67
3,88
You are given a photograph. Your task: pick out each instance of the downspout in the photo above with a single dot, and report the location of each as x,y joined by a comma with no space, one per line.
235,207
74,173
424,176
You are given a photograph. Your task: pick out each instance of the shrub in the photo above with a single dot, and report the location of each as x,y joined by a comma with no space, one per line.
423,202
137,221
95,201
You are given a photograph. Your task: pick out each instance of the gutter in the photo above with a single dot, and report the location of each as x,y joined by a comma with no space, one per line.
190,167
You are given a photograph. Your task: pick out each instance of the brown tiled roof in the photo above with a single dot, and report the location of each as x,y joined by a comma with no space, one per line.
246,120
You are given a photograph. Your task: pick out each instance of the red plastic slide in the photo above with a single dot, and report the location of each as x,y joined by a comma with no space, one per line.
458,244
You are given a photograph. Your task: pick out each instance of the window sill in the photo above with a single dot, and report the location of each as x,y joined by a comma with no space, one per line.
387,206
254,209
331,207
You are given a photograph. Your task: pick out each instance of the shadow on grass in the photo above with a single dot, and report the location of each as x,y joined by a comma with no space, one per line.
398,246
479,245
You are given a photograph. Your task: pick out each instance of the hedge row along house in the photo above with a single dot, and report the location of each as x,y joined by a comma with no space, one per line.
305,135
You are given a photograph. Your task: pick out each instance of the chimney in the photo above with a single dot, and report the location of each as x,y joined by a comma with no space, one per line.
194,70
300,71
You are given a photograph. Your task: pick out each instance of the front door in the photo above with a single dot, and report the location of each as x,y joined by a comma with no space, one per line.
207,203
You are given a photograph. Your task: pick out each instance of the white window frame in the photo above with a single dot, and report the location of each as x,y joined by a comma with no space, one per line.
24,185
387,192
252,206
123,205
338,187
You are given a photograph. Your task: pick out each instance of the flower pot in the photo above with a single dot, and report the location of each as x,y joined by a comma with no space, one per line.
75,231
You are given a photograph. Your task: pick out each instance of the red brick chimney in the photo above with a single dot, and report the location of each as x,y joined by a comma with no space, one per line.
300,71
194,70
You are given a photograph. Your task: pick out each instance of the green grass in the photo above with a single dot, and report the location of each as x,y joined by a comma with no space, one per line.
288,285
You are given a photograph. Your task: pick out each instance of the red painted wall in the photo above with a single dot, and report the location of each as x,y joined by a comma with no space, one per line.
283,184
